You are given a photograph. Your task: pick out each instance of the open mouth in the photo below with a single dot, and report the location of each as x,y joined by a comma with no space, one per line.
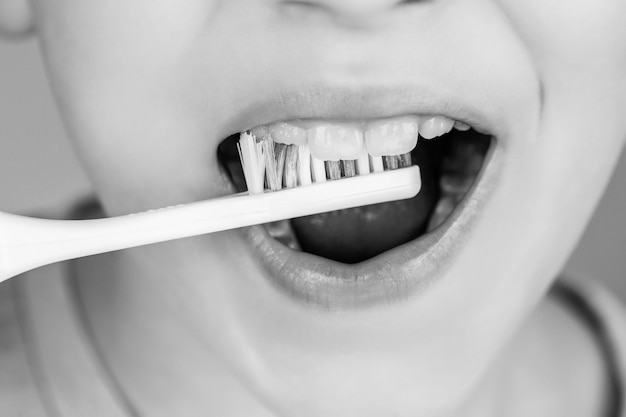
362,255
450,156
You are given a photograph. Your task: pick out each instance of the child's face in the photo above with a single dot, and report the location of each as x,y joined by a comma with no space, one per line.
149,89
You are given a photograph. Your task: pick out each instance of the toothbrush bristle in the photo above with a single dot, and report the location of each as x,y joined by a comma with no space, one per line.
270,165
405,160
272,179
363,163
291,167
304,165
333,168
348,168
251,162
281,154
319,170
391,162
376,164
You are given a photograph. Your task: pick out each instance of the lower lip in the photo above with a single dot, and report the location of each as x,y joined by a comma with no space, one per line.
401,273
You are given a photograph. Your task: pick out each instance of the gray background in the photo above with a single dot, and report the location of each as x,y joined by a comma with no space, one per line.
38,169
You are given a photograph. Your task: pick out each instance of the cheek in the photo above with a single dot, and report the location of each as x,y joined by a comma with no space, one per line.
121,72
555,169
579,52
587,37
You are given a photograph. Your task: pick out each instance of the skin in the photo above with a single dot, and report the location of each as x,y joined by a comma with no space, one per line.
148,89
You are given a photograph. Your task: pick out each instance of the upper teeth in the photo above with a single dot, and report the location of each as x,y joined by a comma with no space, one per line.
392,136
288,134
432,127
333,141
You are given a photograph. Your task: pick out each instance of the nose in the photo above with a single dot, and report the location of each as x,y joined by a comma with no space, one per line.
351,8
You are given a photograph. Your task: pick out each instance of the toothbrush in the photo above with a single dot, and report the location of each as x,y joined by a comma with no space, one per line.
27,243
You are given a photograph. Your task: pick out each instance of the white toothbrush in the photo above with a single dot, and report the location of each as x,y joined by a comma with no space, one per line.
27,243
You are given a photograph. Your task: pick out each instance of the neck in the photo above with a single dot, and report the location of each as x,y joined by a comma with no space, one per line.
149,346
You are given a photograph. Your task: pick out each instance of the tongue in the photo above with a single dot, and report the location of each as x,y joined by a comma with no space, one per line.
354,235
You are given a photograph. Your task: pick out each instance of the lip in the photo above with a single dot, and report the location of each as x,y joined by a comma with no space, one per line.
363,102
405,271
400,273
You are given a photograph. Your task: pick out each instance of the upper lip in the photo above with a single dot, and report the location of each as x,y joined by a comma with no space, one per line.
363,103
447,68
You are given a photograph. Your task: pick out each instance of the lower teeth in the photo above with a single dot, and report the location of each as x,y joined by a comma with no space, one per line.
283,232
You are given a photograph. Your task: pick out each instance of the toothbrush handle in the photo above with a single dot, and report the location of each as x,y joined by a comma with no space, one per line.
27,243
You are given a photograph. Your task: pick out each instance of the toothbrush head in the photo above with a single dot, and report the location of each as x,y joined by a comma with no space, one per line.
268,165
